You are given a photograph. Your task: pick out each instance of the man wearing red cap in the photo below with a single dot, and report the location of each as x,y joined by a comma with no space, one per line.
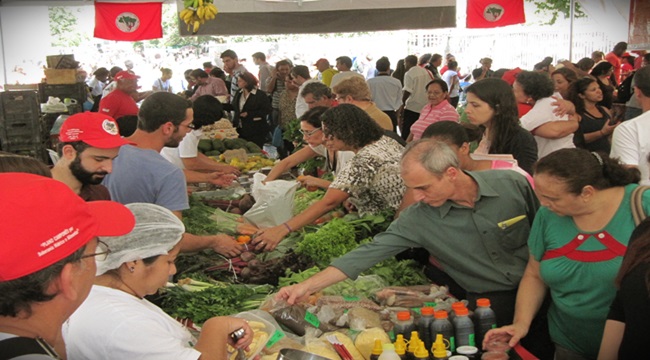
88,144
120,101
48,267
326,71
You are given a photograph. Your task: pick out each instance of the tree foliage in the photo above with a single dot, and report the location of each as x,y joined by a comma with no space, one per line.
63,27
555,8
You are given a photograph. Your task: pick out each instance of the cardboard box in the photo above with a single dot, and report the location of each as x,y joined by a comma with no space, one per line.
60,76
62,62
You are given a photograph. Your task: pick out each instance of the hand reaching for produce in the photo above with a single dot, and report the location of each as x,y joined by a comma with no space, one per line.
246,229
294,293
226,245
268,239
510,333
227,169
221,179
312,183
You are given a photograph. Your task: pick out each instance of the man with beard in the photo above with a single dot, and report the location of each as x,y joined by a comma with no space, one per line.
88,144
141,174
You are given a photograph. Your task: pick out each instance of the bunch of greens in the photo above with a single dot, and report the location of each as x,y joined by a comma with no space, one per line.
399,273
201,219
297,277
363,286
332,240
303,199
201,300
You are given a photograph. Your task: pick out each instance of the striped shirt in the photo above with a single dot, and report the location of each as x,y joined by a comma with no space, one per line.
429,115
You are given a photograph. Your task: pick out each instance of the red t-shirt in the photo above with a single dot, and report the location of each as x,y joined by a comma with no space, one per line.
118,104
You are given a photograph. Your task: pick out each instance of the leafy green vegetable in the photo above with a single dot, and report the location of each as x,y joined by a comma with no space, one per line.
201,219
303,199
363,286
332,240
203,300
294,278
399,273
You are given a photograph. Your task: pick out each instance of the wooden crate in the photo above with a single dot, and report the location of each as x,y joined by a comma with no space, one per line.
60,76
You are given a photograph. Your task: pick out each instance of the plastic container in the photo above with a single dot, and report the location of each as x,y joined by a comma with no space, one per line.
463,329
439,349
459,357
442,326
262,330
376,350
413,345
471,352
421,352
400,349
454,307
389,353
423,326
484,318
404,325
498,346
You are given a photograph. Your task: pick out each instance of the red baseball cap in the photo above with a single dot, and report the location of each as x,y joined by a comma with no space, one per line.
125,75
62,223
93,128
511,75
320,61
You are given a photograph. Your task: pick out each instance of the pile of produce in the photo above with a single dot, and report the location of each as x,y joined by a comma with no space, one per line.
215,147
221,129
200,300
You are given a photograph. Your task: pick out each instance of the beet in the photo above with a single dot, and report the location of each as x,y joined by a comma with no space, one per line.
247,256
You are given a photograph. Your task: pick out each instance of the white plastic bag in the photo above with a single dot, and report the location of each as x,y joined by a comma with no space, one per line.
273,201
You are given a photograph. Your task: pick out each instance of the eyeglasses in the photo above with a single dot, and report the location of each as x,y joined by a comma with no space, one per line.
189,126
308,133
103,251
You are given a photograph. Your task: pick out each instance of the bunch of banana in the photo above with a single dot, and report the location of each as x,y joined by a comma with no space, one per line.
196,12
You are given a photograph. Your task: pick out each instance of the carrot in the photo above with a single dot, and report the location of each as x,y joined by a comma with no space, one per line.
243,239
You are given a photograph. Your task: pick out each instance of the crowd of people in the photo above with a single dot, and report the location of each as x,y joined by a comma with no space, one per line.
519,184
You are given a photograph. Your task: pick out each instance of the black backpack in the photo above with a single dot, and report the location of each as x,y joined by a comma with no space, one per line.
625,90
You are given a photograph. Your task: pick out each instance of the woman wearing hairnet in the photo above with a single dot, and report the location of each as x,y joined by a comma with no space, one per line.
116,322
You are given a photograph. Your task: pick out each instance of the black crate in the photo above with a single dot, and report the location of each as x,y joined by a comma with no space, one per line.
36,150
19,106
78,91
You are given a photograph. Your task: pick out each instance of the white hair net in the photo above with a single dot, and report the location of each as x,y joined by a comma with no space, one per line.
157,230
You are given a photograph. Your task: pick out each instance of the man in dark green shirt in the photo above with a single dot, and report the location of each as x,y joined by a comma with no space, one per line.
475,225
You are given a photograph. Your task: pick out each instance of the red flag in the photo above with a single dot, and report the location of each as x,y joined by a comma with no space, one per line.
128,21
494,13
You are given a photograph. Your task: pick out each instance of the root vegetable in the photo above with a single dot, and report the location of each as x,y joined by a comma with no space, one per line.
247,256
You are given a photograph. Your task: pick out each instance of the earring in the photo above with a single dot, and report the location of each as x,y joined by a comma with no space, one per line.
132,269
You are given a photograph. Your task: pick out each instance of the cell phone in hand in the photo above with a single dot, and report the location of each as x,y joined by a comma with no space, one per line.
612,122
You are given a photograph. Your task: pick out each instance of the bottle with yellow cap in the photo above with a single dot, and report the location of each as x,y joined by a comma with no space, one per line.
400,348
413,344
439,350
421,352
376,350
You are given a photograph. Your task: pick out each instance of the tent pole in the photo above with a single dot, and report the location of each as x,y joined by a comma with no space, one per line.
572,14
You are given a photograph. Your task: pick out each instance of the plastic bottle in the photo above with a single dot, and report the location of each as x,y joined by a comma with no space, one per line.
376,350
464,328
438,349
404,325
442,326
400,349
423,326
413,345
454,306
484,318
389,353
400,342
421,352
